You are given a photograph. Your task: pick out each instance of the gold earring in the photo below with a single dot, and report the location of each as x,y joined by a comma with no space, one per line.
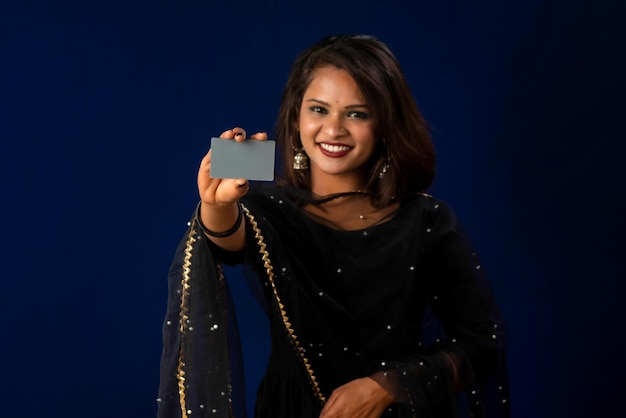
382,171
300,159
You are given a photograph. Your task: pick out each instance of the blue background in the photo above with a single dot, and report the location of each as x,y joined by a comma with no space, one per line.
106,109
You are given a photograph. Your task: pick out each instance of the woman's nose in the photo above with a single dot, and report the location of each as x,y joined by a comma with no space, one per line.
333,126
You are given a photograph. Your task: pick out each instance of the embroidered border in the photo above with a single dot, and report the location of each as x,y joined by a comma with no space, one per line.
184,318
184,310
290,331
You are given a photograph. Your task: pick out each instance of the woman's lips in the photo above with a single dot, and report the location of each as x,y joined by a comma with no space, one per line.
334,150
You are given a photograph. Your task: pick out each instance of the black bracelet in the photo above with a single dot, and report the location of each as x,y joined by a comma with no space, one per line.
224,234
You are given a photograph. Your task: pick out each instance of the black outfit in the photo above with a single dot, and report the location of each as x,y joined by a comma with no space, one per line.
399,301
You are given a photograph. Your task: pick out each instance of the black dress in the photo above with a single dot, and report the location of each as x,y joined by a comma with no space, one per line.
399,301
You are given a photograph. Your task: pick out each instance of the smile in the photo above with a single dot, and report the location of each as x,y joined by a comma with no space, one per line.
334,149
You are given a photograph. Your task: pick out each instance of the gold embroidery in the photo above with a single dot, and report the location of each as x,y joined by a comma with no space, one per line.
290,331
180,375
184,317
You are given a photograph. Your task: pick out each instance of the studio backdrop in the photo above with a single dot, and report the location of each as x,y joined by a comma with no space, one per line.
106,109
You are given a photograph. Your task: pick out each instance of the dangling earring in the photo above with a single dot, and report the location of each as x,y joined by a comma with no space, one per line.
383,169
300,159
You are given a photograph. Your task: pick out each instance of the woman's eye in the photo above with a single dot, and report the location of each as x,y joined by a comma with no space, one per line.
317,109
357,115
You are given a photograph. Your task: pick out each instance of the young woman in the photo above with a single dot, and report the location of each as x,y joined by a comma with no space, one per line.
376,300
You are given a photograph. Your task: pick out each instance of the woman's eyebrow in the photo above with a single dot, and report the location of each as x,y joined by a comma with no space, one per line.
328,104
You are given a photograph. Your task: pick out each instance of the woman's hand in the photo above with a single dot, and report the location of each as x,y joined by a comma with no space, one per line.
222,192
360,398
219,211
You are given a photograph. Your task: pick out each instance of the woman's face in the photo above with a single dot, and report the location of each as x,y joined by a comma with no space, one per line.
337,129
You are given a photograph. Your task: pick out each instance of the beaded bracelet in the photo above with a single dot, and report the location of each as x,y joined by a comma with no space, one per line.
224,234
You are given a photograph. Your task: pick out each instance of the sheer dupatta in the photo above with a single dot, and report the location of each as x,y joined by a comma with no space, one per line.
201,364
201,372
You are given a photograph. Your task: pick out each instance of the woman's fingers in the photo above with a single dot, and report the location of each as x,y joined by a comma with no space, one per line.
259,136
229,134
218,191
237,133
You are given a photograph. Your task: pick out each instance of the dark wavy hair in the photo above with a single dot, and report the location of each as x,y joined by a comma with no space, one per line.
405,144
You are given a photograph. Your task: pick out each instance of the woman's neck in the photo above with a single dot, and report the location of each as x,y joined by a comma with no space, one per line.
324,185
349,211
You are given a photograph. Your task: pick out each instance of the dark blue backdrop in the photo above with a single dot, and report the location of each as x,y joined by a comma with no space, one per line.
107,108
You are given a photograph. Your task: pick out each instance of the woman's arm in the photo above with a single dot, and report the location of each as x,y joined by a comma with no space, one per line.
360,398
219,213
463,339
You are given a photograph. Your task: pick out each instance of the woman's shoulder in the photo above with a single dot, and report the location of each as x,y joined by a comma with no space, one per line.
270,200
434,212
263,193
427,203
277,202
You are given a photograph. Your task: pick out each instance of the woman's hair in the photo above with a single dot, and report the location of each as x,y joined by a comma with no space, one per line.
405,141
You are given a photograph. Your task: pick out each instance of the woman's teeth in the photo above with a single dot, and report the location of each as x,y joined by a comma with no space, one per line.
335,148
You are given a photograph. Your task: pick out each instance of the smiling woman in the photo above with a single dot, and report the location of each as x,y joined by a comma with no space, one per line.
336,132
403,151
376,300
